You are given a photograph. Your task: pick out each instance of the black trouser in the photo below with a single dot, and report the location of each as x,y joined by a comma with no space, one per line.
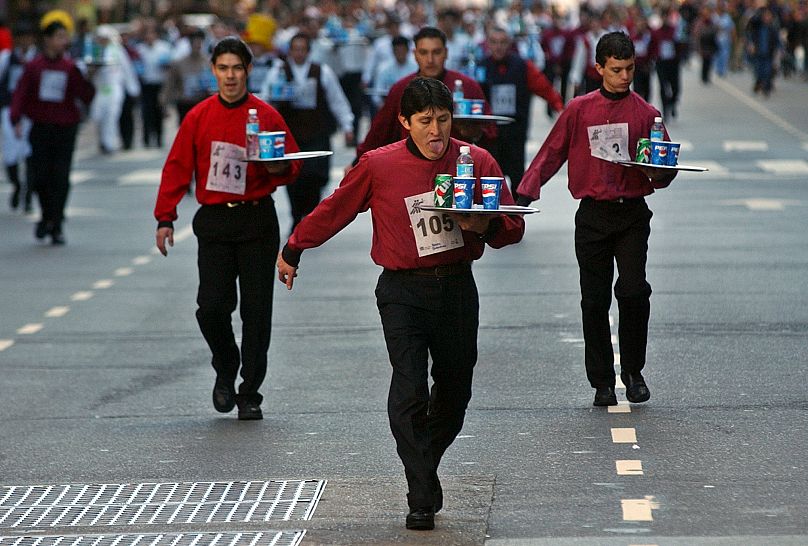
608,232
127,122
509,151
239,243
642,82
152,112
424,316
558,71
668,74
351,86
51,159
706,67
304,193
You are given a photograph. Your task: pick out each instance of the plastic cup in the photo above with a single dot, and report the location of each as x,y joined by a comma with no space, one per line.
477,107
659,152
491,186
271,144
673,153
462,107
463,192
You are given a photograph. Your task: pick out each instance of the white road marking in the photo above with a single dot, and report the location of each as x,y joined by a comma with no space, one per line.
629,467
614,339
142,260
5,344
617,358
805,146
58,311
624,435
714,167
148,177
82,295
761,204
638,509
123,271
746,146
183,234
686,146
103,283
618,383
30,328
621,407
80,177
784,166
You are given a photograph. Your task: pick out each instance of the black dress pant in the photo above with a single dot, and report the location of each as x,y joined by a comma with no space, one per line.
237,244
509,151
607,232
423,316
126,123
305,192
51,159
669,83
351,86
152,113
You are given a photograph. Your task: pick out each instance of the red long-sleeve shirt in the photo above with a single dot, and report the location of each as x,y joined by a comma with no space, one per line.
540,86
382,180
386,129
48,90
190,156
569,141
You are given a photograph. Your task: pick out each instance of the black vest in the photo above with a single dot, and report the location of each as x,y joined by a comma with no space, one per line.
515,73
308,124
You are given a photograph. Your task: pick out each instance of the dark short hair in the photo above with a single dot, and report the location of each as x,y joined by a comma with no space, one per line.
430,32
614,44
53,28
425,94
401,41
234,45
301,36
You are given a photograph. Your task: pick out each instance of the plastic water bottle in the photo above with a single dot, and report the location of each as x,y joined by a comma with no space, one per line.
465,163
252,134
457,94
657,130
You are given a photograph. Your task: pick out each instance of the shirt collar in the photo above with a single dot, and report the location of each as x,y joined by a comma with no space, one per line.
236,104
614,96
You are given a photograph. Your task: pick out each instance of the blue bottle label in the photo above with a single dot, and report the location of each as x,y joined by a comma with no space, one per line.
465,169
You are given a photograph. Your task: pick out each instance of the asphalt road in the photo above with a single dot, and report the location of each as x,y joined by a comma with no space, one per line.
106,380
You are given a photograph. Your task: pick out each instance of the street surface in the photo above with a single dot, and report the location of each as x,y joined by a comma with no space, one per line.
107,432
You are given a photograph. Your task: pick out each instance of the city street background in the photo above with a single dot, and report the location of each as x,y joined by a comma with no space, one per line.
107,380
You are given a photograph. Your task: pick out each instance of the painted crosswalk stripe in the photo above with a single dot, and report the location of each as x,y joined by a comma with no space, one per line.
5,344
624,436
637,510
629,468
82,295
58,311
30,328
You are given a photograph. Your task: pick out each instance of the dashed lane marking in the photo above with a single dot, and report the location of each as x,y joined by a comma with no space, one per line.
629,467
624,435
638,509
142,260
5,344
784,166
80,177
621,407
82,295
58,311
103,284
30,328
761,204
745,146
123,271
150,177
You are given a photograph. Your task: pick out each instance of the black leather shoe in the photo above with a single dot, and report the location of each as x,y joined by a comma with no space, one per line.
250,411
58,239
636,389
42,229
224,396
604,396
421,519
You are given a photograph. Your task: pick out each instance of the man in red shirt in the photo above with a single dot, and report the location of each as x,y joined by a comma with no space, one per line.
430,54
427,285
613,220
236,225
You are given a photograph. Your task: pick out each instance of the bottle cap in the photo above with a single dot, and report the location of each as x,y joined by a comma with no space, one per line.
458,82
657,119
252,111
465,149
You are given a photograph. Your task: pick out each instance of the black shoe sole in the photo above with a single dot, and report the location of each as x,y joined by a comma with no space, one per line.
609,402
420,524
250,416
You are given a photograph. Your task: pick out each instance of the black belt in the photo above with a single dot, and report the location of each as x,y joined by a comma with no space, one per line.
449,270
623,200
252,202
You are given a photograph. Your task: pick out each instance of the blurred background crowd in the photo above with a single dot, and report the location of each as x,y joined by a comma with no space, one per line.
153,54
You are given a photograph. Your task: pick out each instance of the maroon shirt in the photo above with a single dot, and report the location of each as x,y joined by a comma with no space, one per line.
48,90
386,128
381,182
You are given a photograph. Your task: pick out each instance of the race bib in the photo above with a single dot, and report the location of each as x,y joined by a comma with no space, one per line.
52,86
228,171
306,94
667,50
503,99
434,231
609,142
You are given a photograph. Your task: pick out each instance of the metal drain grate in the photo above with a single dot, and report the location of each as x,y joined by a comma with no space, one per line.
76,505
265,538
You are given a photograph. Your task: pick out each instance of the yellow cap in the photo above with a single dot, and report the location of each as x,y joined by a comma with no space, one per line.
57,15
